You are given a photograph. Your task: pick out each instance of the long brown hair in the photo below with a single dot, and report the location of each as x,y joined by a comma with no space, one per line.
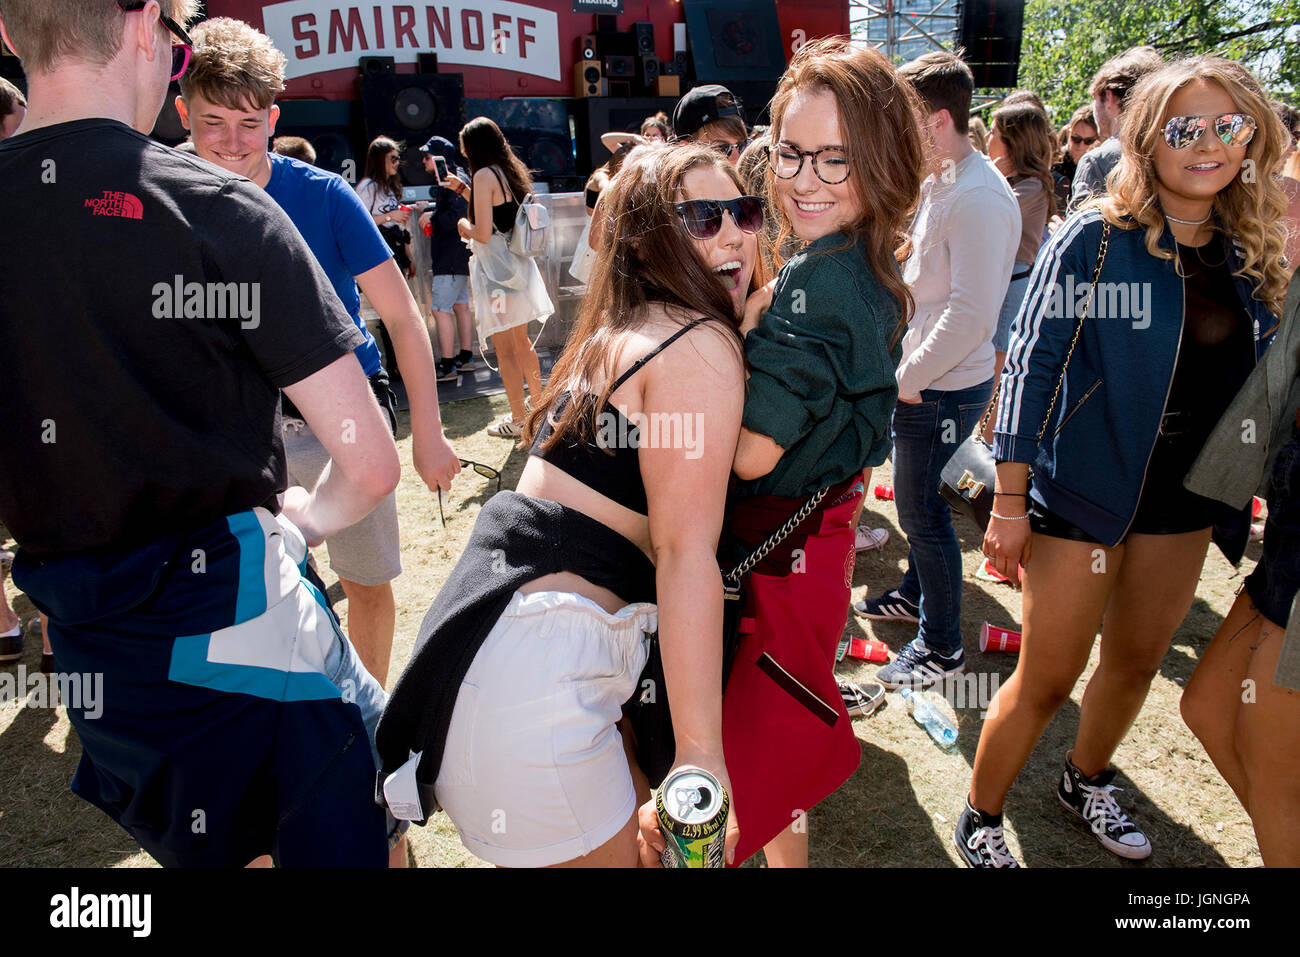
1249,209
1023,127
484,145
377,166
650,258
880,119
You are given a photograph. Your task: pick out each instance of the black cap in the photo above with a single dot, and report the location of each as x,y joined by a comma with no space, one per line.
702,106
439,146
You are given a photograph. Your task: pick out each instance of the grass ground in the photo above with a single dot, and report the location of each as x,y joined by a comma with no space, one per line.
897,810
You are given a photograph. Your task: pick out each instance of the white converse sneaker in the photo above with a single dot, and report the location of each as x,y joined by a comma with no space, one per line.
868,539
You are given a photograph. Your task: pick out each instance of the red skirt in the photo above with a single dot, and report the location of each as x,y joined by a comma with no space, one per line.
787,738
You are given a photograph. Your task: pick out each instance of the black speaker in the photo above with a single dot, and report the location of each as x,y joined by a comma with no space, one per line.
607,23
410,108
426,63
647,74
333,128
645,38
587,49
989,32
376,65
681,65
667,68
620,67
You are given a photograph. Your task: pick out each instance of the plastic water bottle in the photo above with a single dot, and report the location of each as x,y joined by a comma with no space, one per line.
931,718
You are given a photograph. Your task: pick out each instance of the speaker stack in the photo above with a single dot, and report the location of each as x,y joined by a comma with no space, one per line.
410,108
989,31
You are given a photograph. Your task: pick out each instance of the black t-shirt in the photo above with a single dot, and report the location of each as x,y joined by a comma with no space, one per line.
1215,357
141,389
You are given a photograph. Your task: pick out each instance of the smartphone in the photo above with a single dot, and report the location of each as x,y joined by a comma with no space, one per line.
440,164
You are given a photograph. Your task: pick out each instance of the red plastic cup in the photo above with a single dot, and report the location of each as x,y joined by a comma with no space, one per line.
993,638
428,229
868,650
886,492
1257,504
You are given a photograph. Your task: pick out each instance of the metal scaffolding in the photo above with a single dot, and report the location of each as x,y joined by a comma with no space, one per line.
904,29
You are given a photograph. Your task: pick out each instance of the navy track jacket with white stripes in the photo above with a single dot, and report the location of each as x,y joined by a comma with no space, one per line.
1091,464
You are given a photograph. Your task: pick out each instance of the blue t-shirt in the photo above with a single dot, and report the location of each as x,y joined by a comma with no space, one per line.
339,230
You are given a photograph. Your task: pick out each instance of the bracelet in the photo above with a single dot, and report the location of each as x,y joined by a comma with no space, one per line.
1016,494
1009,518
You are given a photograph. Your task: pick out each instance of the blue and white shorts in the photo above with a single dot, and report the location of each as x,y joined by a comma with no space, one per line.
235,718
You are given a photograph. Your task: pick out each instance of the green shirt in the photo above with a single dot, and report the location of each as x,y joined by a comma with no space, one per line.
822,384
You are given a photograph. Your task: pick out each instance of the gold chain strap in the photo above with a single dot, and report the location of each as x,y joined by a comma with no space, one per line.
1092,292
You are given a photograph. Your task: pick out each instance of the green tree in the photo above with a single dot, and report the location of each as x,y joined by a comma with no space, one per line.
1065,41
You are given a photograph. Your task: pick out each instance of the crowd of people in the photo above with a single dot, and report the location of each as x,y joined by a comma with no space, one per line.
878,273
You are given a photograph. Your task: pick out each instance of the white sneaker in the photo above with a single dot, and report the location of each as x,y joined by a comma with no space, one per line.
505,427
866,539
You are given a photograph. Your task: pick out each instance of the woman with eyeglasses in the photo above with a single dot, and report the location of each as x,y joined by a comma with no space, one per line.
822,344
514,696
1079,136
381,192
1110,401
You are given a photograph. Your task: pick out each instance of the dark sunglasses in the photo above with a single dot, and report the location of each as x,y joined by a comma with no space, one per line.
1233,129
726,149
703,217
181,52
487,471
1082,140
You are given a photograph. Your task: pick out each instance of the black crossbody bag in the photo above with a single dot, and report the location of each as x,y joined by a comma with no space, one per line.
967,481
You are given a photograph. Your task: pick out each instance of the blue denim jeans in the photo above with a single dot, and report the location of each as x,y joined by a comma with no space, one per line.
925,436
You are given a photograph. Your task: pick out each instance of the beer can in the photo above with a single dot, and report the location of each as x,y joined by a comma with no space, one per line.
692,807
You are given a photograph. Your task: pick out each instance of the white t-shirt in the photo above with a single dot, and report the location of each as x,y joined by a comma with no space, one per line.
377,199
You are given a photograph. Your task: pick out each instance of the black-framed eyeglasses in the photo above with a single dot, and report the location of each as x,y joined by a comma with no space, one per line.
487,471
703,217
181,52
830,163
1232,129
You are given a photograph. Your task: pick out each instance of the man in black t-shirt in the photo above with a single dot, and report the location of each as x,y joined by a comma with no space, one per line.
154,526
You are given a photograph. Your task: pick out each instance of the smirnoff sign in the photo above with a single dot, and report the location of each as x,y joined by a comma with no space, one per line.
317,36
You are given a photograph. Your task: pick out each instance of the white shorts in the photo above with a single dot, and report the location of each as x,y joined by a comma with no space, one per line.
533,771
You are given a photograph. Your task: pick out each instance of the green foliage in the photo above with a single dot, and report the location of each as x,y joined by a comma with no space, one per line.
1065,41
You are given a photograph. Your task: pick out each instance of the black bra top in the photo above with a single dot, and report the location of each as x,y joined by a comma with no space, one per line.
503,214
608,465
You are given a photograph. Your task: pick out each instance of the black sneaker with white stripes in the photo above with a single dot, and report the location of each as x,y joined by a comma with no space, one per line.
889,607
918,667
980,839
1091,800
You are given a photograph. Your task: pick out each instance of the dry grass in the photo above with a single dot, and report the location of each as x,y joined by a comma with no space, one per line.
897,810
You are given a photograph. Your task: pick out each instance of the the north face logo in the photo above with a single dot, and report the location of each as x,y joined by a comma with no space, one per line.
114,203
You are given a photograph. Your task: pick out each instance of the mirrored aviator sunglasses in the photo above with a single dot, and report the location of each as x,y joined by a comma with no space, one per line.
703,217
1232,129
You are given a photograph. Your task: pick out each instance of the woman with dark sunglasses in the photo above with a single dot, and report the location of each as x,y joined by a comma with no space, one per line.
1079,136
514,696
1110,410
823,345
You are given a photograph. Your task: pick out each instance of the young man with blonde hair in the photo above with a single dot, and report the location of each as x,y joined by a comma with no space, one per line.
155,526
228,104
